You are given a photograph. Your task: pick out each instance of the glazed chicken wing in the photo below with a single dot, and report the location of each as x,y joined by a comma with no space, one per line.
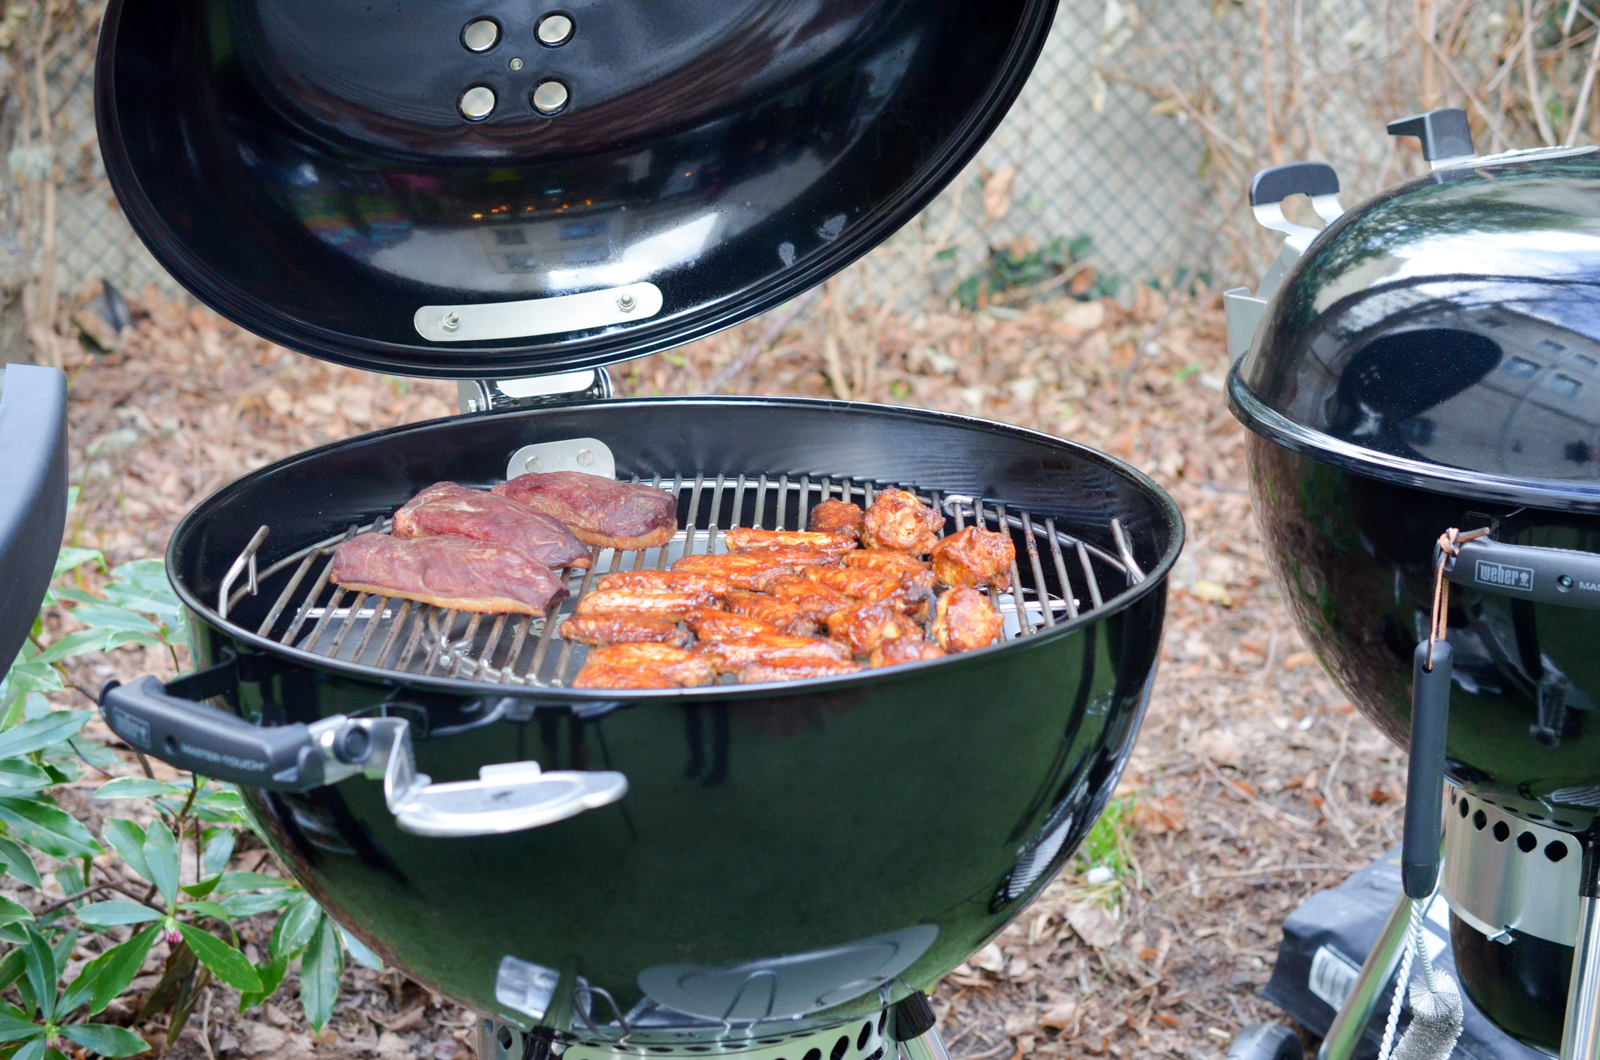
643,666
974,557
659,602
900,522
863,627
746,539
887,562
966,620
709,623
786,617
852,581
731,656
836,517
751,570
623,629
785,669
667,580
907,649
910,591
817,600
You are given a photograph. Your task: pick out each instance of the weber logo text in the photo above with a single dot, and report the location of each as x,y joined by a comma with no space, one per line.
1505,576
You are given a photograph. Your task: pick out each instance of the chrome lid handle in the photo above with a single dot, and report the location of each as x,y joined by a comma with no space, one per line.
505,798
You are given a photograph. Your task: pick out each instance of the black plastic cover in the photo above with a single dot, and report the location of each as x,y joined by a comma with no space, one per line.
305,168
1446,335
1444,133
1276,183
33,494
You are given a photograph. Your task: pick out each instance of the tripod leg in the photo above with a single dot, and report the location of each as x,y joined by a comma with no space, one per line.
1356,1012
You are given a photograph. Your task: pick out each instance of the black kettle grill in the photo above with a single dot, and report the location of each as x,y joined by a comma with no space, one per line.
1431,360
492,192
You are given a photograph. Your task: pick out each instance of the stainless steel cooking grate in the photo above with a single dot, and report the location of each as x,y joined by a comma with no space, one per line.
1058,577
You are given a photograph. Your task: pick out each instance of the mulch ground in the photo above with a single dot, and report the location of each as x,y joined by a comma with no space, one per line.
1254,782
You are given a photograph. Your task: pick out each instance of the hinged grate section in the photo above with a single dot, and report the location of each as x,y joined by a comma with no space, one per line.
1057,577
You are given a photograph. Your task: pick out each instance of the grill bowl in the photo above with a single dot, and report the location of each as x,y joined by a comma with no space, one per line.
939,795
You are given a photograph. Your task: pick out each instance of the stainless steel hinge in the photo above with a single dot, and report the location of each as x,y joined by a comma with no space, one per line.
540,391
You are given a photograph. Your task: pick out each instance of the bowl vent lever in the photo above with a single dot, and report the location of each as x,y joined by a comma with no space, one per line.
506,797
1270,187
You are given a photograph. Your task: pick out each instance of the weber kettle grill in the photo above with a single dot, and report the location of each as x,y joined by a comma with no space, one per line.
515,196
1429,360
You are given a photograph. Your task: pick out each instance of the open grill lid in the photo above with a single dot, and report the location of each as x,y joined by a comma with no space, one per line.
1446,334
492,189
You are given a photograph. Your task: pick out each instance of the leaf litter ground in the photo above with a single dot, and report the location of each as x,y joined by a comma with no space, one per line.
1254,782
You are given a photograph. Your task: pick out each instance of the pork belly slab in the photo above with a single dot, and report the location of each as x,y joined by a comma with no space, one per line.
600,511
446,508
447,571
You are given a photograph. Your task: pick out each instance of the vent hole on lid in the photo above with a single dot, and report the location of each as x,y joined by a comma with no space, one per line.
1502,831
1556,851
1526,842
698,1048
1480,820
1561,823
1463,807
813,1054
840,1047
866,1032
1534,817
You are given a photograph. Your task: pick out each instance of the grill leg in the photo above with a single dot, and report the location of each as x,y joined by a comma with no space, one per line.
914,1029
1580,1037
1356,1012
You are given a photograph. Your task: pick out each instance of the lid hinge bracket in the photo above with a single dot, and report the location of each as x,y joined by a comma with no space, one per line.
540,391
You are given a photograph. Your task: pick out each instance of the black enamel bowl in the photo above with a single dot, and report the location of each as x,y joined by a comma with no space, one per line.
916,808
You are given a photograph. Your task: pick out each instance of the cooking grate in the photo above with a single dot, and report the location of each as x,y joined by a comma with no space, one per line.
1058,577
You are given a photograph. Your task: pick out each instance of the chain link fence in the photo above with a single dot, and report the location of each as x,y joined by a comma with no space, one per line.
1126,157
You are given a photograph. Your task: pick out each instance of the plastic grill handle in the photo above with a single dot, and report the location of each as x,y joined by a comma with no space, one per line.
1430,717
1277,183
209,741
1444,133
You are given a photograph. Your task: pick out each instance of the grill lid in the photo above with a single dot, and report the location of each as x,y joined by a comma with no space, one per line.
490,188
1446,334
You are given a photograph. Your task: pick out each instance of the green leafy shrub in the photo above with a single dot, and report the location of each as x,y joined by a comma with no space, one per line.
1016,273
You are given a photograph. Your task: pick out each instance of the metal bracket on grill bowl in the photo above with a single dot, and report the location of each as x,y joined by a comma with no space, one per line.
507,797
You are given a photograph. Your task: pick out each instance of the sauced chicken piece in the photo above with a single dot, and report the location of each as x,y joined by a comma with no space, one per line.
854,582
447,571
786,617
731,656
709,623
746,539
783,669
446,508
659,602
750,570
966,620
975,557
836,517
898,521
863,627
600,511
677,581
910,591
888,562
623,629
643,666
816,600
907,649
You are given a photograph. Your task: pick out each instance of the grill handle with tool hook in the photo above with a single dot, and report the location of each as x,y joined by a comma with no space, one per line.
508,797
1531,572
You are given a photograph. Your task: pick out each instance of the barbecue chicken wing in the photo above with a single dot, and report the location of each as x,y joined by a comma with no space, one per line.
658,602
623,629
446,508
745,539
851,581
907,649
974,557
600,511
665,580
864,626
709,623
887,562
816,600
731,656
966,620
836,517
786,617
781,669
643,666
901,523
446,571
751,570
